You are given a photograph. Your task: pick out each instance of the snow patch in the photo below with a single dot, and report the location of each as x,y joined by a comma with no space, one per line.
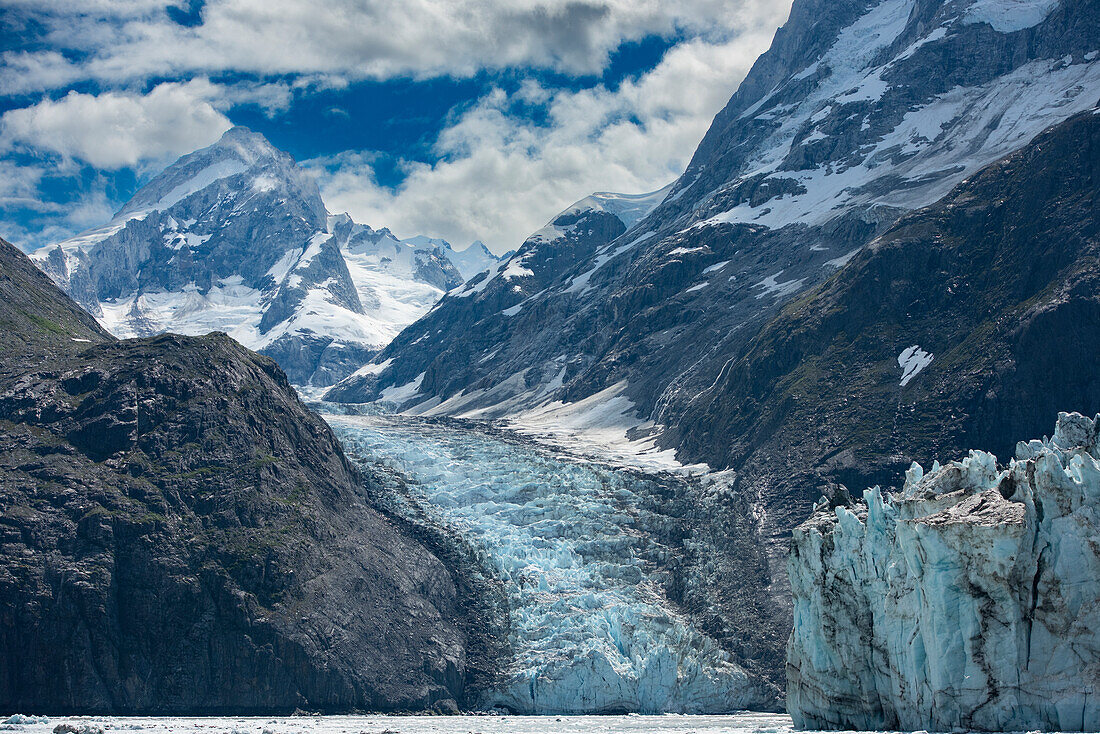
839,262
912,361
403,393
772,287
1008,16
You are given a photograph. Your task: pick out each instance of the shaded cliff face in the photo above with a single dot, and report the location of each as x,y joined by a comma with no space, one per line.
180,534
966,325
968,601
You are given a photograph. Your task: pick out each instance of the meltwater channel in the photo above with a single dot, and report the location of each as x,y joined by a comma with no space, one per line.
580,548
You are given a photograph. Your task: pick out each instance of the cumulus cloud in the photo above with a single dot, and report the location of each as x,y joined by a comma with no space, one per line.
118,129
501,171
500,175
30,222
351,39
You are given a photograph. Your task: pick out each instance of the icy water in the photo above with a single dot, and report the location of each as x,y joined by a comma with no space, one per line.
578,547
673,724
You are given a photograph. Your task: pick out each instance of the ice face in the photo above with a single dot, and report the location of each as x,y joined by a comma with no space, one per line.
592,630
967,601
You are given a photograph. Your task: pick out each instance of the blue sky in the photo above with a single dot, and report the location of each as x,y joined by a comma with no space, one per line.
464,119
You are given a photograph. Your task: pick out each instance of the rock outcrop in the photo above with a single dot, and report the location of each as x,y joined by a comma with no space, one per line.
178,533
969,600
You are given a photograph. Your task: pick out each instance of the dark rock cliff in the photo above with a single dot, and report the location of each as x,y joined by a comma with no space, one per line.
999,283
178,533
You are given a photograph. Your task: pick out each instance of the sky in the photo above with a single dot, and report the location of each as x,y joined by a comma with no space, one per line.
462,119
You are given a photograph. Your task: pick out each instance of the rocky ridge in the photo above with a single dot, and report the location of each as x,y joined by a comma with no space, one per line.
179,534
860,112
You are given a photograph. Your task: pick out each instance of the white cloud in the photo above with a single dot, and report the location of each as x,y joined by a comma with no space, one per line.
351,39
118,129
22,72
30,222
501,176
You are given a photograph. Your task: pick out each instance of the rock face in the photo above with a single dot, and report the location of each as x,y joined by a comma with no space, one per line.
969,600
178,533
235,237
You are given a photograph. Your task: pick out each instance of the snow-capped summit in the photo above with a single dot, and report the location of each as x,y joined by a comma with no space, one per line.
235,237
474,259
239,151
517,280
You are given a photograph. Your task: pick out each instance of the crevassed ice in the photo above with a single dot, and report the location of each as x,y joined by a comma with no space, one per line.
591,628
967,601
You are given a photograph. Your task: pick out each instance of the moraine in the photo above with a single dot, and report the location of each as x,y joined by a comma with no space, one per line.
585,553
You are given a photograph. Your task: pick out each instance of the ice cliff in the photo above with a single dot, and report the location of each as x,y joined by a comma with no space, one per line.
971,599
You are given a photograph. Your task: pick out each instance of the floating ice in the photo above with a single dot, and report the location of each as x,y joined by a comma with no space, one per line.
742,723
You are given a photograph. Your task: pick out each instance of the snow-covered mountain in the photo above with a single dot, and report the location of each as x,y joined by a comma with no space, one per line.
235,238
861,111
884,250
573,237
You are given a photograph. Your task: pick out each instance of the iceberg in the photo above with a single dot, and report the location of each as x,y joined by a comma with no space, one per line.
969,600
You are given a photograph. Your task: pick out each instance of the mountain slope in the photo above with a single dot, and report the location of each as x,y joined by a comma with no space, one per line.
235,237
965,325
492,300
179,534
861,111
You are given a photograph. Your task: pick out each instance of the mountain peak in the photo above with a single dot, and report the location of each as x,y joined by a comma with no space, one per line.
247,143
238,151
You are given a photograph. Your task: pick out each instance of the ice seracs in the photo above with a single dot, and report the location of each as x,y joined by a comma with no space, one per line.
582,551
969,600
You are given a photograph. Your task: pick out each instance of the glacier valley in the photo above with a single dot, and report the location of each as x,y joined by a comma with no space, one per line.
586,555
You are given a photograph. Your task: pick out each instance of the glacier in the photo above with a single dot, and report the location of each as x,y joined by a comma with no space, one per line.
968,600
580,549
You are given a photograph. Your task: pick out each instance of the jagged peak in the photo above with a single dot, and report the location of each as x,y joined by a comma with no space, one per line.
239,150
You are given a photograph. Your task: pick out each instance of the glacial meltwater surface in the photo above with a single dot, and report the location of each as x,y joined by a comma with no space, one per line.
581,550
672,724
